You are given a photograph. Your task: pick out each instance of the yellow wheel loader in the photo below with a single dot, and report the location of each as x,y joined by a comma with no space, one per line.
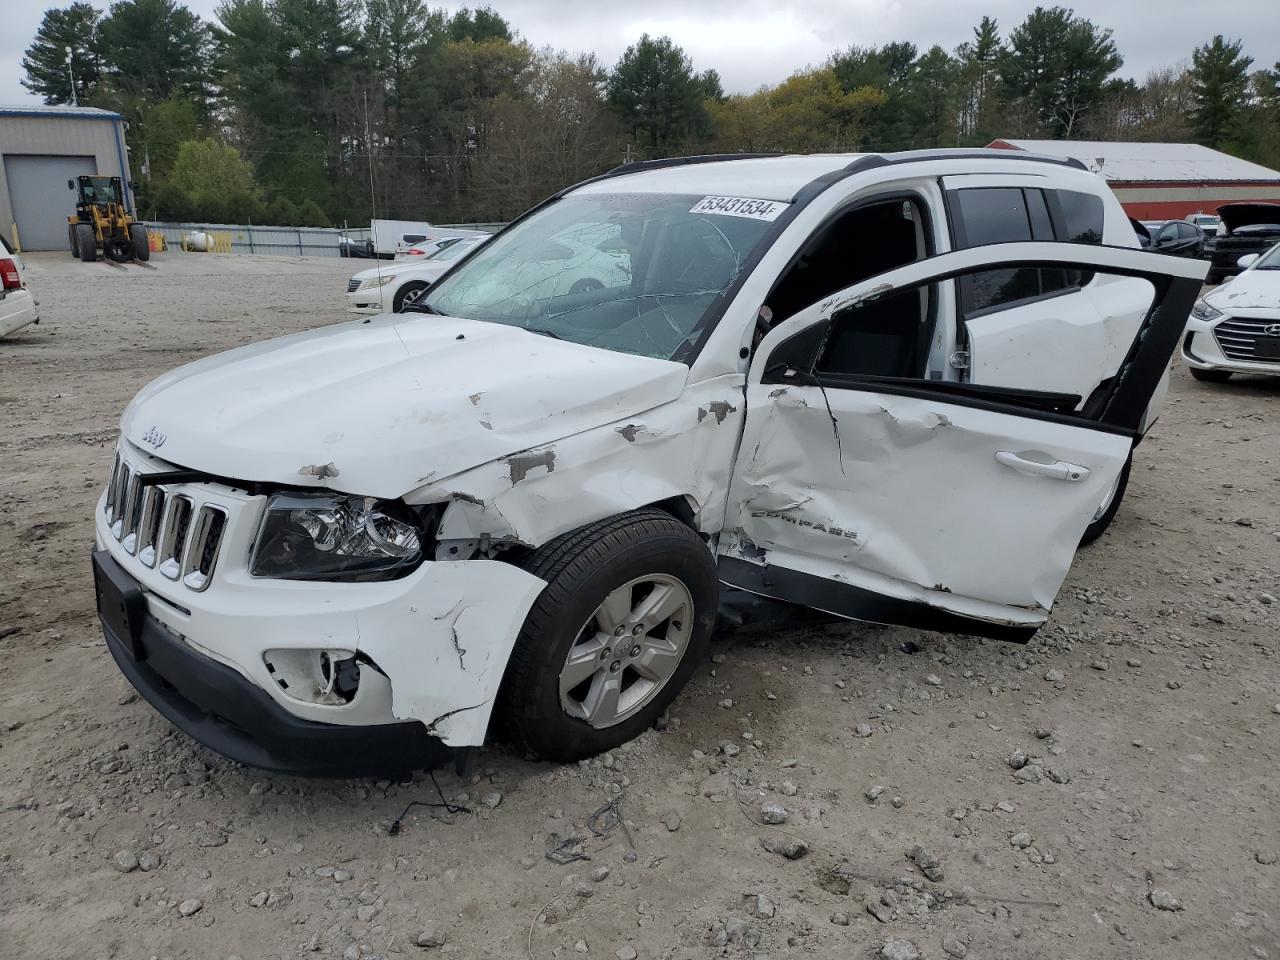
103,224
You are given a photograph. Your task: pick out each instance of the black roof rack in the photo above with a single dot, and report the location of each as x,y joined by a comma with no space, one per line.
866,161
873,160
635,166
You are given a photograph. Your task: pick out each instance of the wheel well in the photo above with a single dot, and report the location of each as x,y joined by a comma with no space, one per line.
678,507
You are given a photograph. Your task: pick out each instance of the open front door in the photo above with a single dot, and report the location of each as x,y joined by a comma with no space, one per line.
926,503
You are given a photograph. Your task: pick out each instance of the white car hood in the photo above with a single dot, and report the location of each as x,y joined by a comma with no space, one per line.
1251,290
381,407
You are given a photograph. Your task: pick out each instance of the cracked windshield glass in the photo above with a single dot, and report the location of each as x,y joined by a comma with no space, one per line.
635,273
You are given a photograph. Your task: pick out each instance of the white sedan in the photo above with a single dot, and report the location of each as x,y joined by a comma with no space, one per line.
386,289
1236,328
17,305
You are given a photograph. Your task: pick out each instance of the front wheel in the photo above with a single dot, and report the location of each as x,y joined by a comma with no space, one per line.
1110,505
86,242
141,243
622,623
407,294
1210,376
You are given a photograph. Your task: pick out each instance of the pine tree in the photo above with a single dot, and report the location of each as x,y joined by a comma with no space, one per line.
45,61
1219,77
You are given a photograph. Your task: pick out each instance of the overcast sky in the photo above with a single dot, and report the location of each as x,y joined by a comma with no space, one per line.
754,42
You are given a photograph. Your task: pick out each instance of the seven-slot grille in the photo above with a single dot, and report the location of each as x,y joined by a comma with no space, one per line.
1238,337
353,285
163,529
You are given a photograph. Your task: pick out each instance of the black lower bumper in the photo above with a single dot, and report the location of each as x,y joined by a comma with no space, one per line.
217,706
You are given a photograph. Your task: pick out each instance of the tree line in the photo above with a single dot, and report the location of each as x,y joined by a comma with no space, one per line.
297,111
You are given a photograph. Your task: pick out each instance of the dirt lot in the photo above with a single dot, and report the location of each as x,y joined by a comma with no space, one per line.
1149,710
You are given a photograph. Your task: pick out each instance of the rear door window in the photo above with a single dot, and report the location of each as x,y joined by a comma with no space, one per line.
985,215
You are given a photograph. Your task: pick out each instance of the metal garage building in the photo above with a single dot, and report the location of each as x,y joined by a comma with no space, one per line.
1164,181
41,148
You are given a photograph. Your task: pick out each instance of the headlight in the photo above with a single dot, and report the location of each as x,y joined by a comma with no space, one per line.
373,283
1204,311
331,536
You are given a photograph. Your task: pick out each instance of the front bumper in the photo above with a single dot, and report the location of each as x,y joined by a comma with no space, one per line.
368,301
439,638
1203,343
217,706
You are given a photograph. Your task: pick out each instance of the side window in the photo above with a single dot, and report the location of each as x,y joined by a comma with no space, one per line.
858,243
996,215
1186,231
412,238
1082,217
1008,214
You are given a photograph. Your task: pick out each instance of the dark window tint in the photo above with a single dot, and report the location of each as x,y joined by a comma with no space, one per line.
1187,232
992,215
1038,210
995,215
414,237
1082,216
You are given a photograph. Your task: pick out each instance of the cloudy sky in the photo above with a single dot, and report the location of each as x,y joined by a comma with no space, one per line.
753,42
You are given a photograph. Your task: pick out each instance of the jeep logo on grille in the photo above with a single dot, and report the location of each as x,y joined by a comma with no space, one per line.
154,438
1272,330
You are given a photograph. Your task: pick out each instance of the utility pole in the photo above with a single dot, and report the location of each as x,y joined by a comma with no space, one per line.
72,77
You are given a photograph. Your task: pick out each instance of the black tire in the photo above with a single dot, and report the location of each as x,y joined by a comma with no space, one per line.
117,249
1099,526
71,239
1210,376
408,293
581,568
86,242
141,243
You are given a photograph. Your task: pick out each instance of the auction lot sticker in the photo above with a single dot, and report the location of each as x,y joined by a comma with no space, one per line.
740,207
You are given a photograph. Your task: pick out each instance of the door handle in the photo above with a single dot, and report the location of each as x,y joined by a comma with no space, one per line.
1056,470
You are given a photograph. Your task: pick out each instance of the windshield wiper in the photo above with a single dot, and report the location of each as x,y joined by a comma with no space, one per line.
417,306
543,332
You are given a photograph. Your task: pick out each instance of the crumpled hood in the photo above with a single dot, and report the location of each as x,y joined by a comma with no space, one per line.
1236,215
1251,290
381,407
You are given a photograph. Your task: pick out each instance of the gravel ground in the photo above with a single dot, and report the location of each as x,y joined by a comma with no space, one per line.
1109,790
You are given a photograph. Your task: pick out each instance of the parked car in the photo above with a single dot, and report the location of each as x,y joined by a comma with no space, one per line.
899,388
1236,328
356,248
426,247
1177,238
391,288
1246,228
17,305
1207,222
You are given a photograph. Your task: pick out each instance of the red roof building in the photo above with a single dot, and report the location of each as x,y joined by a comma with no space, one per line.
1163,181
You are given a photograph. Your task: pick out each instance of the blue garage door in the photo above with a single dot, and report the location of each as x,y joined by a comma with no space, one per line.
40,199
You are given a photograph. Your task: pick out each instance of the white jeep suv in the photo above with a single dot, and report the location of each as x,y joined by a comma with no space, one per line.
896,388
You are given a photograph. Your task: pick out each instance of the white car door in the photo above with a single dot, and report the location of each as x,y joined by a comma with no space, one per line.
923,502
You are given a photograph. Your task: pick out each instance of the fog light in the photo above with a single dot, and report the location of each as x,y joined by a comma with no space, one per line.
329,677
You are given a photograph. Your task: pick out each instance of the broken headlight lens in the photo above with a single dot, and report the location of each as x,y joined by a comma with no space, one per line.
1203,310
331,536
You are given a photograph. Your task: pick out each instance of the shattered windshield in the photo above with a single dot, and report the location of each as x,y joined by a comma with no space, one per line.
635,273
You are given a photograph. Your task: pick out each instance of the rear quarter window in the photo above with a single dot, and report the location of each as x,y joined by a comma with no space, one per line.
1082,216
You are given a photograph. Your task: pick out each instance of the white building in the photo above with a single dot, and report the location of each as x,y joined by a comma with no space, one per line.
41,148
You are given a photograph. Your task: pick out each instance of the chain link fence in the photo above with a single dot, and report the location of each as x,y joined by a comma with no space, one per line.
281,241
